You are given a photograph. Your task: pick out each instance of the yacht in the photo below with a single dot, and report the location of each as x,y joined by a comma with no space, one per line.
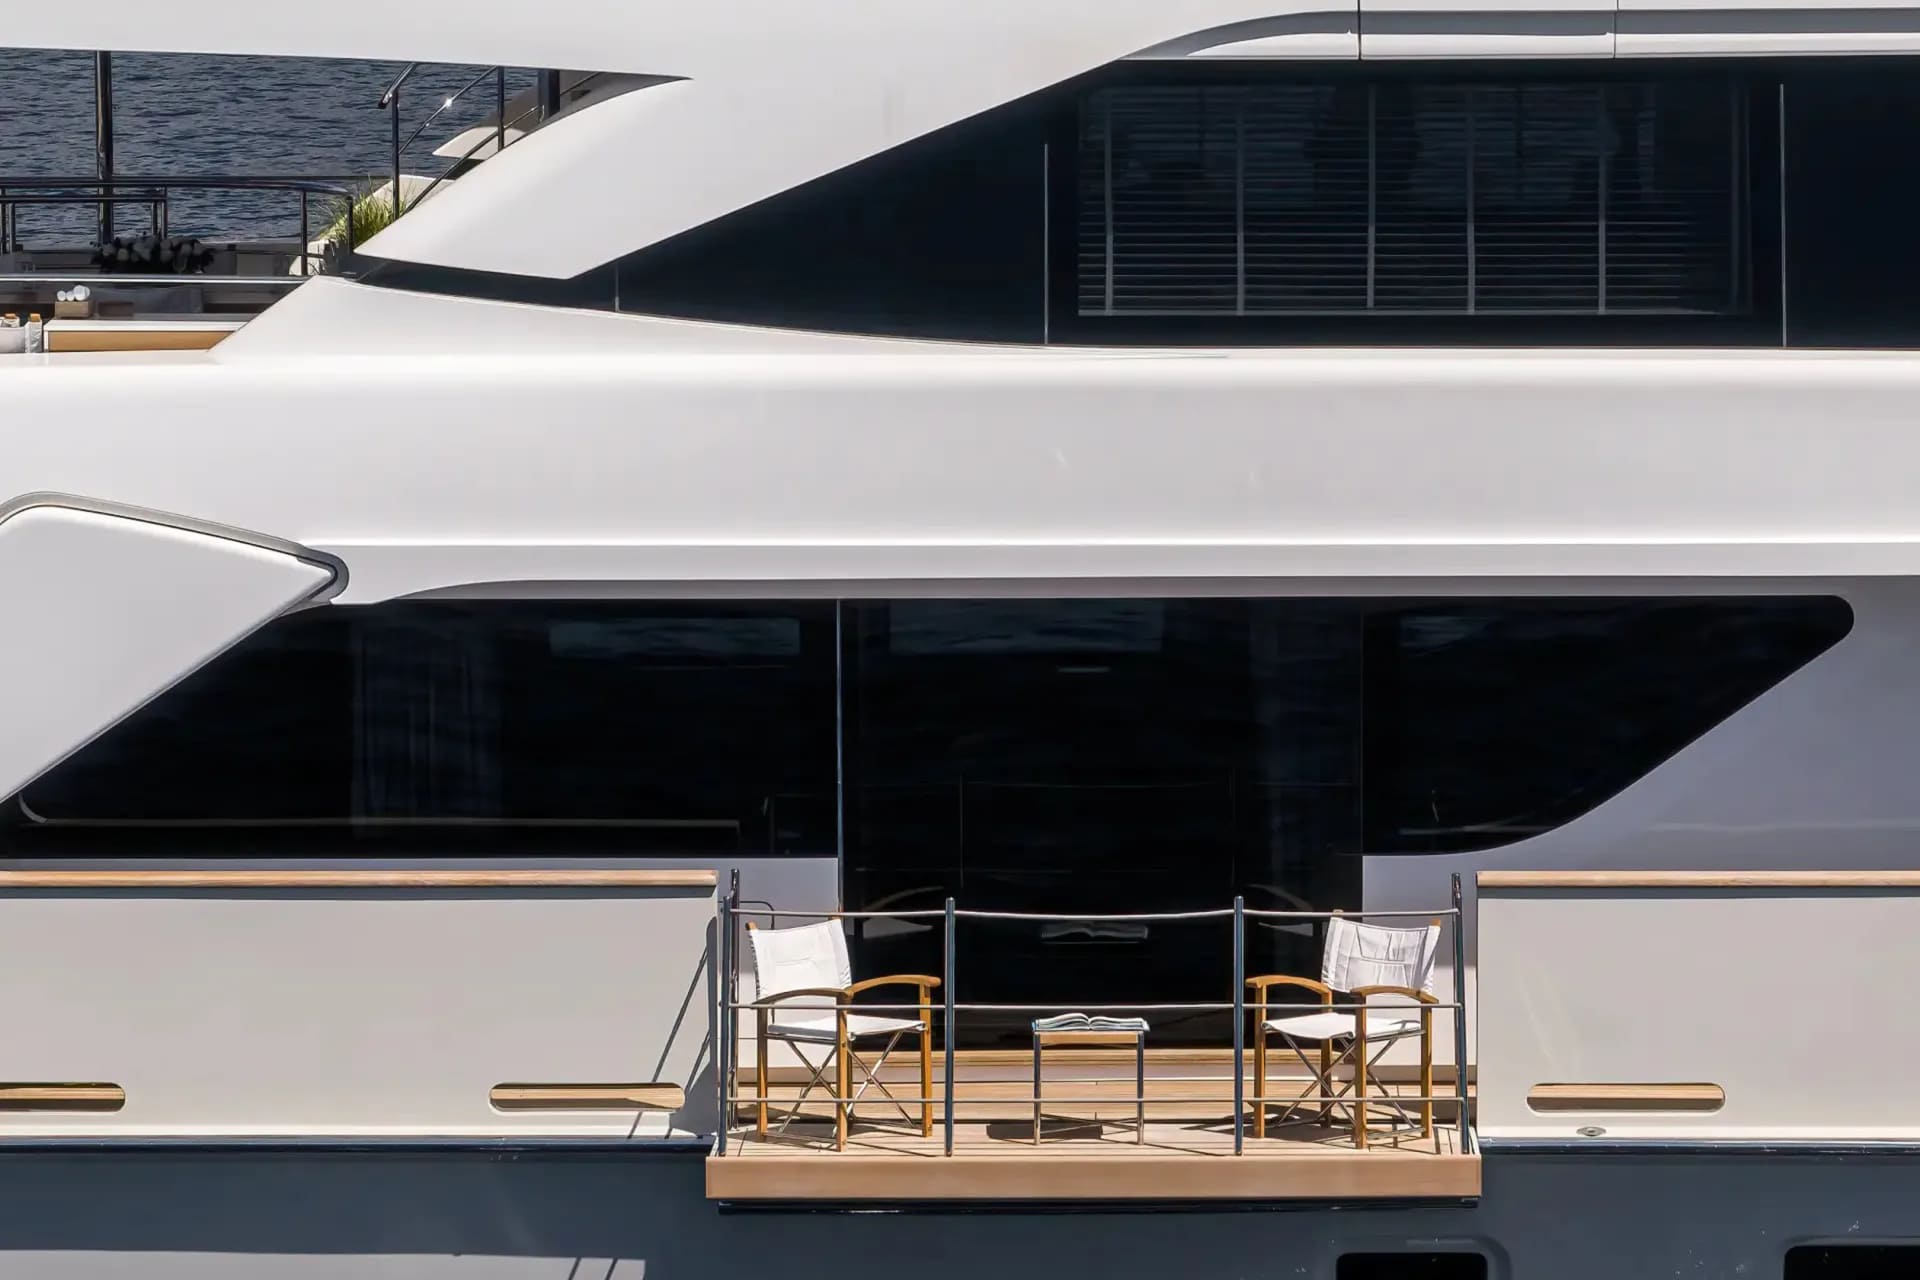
1064,507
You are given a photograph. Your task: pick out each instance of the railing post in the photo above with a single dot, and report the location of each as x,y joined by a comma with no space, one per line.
1460,1015
723,1028
1239,1023
946,978
394,112
500,109
306,234
103,164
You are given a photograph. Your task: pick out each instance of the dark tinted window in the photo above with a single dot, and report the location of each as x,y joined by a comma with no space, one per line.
1489,722
1039,755
1411,1266
945,237
505,727
1261,196
1853,1262
1853,261
1102,755
1120,755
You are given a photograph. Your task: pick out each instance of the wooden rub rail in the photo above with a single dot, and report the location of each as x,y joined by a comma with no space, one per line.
1699,880
651,1096
605,879
62,1097
1626,1097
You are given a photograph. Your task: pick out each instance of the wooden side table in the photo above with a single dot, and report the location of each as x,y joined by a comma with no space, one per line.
1044,1040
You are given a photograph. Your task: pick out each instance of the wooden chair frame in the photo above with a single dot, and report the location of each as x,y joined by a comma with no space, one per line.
1357,1049
844,1054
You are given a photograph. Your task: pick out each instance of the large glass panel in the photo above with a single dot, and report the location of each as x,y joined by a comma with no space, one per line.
1027,757
498,727
1101,756
1492,721
1248,195
1127,756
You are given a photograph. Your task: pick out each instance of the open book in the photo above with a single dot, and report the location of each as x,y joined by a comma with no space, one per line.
1084,931
1081,1022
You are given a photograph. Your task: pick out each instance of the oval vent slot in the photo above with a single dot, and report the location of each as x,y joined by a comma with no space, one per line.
1626,1097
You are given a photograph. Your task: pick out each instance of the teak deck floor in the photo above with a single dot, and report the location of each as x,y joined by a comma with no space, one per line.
1088,1151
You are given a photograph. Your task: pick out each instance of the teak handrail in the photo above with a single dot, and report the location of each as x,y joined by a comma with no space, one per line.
384,879
1699,880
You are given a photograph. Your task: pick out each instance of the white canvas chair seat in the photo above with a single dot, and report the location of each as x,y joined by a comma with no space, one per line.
811,961
1357,957
1319,1027
821,1028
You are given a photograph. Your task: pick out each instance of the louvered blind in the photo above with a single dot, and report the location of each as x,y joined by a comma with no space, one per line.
1312,198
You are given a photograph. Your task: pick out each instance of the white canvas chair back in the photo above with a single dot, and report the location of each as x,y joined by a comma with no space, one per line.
810,956
1371,955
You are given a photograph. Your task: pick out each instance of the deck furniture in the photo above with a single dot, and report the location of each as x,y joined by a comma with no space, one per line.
1362,963
1094,1038
803,987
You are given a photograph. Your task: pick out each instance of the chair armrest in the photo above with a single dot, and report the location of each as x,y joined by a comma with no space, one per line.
1361,993
920,980
1267,981
1261,984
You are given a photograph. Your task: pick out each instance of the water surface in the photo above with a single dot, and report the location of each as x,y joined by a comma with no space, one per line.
193,114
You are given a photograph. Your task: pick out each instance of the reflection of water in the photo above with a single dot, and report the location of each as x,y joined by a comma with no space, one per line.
199,114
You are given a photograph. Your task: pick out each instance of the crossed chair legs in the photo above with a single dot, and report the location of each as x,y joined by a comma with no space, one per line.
1340,1039
839,1038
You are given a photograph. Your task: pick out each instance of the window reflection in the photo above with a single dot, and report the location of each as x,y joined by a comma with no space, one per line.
1025,756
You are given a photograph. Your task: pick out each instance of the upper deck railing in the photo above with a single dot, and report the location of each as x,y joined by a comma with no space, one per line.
156,192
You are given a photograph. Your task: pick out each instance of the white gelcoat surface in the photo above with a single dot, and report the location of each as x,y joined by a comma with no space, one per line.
1780,997
626,457
356,1012
103,611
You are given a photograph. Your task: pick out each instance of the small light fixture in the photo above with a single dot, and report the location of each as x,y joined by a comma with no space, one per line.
1592,1131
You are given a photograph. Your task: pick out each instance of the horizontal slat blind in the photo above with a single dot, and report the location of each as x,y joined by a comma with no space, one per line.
1536,190
1305,167
1672,234
1398,197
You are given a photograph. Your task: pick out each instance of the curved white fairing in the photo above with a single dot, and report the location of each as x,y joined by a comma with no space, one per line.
105,610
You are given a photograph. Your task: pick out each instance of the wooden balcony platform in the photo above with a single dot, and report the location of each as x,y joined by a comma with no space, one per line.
1088,1152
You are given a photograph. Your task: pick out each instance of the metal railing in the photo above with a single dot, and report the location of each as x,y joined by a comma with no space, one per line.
733,909
156,192
545,104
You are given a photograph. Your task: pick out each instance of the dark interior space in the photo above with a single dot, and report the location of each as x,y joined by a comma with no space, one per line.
1853,205
944,237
